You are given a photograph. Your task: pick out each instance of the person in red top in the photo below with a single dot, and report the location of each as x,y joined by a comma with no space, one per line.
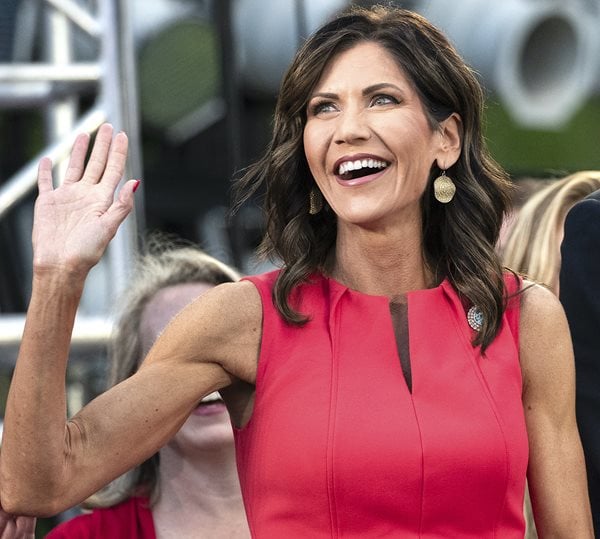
190,488
389,379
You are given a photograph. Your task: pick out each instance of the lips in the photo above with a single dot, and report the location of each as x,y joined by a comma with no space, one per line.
214,408
210,405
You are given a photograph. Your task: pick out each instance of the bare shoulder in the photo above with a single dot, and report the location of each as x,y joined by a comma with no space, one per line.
540,309
223,326
539,306
230,304
545,343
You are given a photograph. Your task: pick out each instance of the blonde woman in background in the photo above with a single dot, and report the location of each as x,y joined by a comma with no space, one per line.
190,488
532,242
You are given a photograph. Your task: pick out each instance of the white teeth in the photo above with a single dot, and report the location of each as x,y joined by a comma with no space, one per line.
348,166
214,396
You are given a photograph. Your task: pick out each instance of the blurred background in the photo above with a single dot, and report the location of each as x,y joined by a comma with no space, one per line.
193,83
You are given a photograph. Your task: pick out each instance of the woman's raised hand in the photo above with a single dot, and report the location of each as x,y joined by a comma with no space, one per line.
74,223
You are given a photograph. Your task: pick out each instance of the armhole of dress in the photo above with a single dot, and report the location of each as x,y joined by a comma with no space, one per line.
514,284
264,291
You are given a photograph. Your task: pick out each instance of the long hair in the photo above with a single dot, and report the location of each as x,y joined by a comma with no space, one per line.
458,238
532,246
165,264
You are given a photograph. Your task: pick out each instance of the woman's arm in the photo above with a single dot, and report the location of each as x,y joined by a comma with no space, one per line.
47,463
556,471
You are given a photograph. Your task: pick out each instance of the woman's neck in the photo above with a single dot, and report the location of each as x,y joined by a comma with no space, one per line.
199,497
381,262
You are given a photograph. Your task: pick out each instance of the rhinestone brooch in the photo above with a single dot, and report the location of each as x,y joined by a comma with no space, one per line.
475,318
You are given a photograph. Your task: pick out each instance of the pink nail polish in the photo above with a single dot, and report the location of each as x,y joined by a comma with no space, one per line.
137,184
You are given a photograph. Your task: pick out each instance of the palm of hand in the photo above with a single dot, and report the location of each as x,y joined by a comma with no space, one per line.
74,223
70,227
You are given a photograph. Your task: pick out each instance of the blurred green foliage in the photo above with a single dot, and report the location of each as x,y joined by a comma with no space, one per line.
528,152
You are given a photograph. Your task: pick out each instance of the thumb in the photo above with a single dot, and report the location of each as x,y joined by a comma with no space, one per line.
123,204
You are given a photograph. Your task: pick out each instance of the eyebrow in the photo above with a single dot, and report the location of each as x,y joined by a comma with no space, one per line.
366,91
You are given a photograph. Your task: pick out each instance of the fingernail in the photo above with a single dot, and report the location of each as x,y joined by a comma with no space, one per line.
137,184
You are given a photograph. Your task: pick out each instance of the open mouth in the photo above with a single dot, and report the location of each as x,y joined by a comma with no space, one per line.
351,170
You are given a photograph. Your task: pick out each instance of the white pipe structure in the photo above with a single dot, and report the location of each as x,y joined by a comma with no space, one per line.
89,333
48,72
78,15
113,77
268,33
539,57
23,182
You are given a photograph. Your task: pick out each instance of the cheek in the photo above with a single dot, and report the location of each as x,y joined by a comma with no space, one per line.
309,149
315,147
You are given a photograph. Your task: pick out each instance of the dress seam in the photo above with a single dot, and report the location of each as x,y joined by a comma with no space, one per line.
335,329
469,349
421,511
418,424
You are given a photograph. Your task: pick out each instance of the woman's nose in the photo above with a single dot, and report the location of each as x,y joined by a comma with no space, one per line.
351,127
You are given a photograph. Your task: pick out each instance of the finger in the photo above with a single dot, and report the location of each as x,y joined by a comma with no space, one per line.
25,526
9,530
45,175
115,167
77,161
95,167
5,524
122,205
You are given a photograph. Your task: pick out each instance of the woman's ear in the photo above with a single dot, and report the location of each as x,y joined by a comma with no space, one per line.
450,130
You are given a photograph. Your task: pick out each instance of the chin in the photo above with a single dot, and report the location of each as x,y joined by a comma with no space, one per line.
193,440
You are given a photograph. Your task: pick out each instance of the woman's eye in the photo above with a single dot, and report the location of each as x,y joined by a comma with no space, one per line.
321,107
384,99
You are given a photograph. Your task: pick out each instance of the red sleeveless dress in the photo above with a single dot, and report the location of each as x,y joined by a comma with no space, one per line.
338,446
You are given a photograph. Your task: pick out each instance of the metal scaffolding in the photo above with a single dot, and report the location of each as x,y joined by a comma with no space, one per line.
55,84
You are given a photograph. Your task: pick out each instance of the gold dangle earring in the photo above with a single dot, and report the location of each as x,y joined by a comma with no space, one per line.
315,200
443,188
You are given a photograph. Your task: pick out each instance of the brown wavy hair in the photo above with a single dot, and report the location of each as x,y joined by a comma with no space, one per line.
458,238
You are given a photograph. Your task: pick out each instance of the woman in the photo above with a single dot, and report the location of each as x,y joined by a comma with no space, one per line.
377,383
190,487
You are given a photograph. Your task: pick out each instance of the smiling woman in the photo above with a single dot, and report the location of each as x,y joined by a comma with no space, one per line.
389,380
384,85
376,117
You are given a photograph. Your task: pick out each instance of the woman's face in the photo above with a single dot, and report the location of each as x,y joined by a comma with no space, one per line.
367,139
208,427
